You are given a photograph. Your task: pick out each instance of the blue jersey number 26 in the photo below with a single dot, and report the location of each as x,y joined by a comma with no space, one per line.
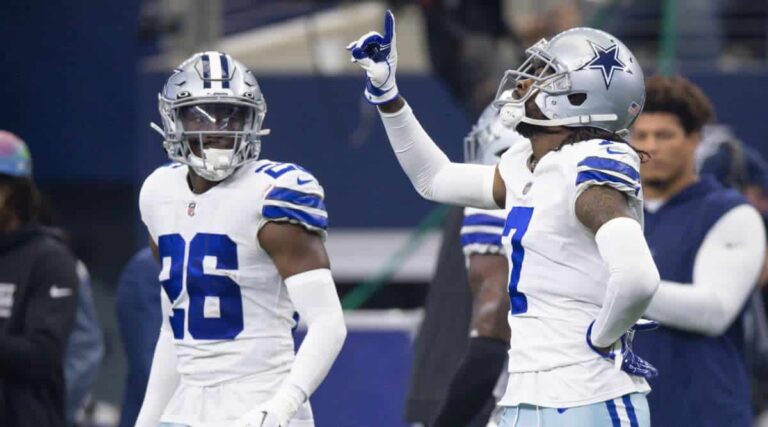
221,293
517,222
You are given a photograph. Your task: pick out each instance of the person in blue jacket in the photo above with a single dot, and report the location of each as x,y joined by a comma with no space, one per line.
138,317
709,246
85,348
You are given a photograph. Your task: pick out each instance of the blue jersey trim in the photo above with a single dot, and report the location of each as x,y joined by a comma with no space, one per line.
481,238
262,167
483,219
276,213
630,411
605,163
296,198
593,175
612,412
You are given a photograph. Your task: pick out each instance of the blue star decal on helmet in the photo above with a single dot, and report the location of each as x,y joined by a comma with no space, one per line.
606,60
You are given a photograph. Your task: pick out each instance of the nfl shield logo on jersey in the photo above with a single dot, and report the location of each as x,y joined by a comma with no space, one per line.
527,187
191,208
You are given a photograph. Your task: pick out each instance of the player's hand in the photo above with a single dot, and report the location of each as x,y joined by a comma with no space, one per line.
621,351
276,412
377,55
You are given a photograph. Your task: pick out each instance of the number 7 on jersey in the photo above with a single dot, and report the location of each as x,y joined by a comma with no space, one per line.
517,223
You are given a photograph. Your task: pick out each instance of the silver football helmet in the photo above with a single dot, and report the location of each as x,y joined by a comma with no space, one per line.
211,96
582,77
489,139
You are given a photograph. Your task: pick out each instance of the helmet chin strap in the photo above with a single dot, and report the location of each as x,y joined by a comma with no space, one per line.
512,114
208,171
157,128
215,164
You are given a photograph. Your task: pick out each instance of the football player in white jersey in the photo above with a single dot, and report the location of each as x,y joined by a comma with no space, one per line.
473,383
580,271
241,246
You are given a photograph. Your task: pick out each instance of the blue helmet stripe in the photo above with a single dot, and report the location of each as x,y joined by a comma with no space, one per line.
296,198
280,213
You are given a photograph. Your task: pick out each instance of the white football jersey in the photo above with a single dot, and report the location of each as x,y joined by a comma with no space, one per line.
227,306
557,278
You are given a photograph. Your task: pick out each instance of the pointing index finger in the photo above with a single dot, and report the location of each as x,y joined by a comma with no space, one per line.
389,26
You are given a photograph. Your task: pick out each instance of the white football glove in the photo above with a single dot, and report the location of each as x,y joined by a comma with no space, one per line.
377,55
275,412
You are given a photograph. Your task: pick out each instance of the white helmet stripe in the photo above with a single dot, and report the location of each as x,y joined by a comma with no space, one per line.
215,66
224,71
206,71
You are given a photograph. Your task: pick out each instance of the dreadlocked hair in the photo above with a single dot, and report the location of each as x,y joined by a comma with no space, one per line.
586,133
24,197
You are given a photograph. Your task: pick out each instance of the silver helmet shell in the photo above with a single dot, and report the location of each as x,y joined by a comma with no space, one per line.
582,77
489,139
212,78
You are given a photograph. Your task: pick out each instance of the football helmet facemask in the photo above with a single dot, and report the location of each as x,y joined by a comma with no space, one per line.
212,111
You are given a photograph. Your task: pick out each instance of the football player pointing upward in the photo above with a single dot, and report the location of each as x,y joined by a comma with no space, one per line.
241,246
580,272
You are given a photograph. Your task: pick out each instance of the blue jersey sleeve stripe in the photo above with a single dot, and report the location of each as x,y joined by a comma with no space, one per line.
277,213
598,176
483,219
296,198
481,238
611,165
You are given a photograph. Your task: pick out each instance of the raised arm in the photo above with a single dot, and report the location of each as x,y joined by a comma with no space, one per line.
433,176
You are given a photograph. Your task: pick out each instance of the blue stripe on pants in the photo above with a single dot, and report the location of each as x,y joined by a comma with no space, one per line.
609,413
630,411
612,411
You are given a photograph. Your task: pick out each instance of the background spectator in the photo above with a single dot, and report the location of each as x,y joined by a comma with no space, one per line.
38,299
138,315
709,246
